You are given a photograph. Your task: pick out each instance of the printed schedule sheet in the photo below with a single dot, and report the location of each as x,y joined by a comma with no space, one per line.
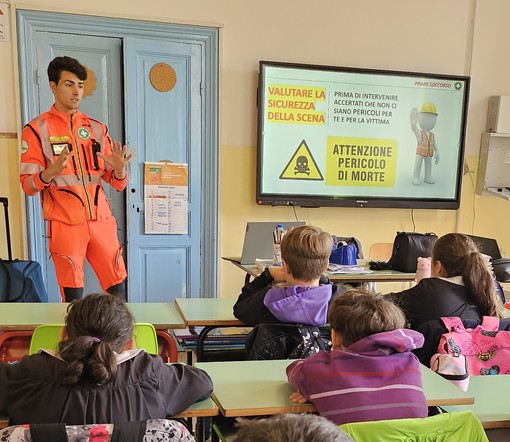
166,198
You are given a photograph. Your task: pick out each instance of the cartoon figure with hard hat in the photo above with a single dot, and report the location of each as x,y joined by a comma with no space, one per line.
422,123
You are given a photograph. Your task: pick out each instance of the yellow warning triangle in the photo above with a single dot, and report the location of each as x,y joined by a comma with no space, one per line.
302,166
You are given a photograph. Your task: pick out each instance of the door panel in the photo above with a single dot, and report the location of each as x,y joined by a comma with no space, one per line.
165,266
163,125
102,100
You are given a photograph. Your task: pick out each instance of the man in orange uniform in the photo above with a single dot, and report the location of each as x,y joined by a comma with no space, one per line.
64,155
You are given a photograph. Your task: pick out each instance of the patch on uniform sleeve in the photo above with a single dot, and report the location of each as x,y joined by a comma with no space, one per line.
24,146
58,148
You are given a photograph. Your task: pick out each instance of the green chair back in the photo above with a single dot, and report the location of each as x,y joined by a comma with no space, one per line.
459,426
146,337
47,336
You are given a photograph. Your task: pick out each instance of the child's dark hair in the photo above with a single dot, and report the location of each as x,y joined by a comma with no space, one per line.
59,64
459,256
359,313
306,250
97,326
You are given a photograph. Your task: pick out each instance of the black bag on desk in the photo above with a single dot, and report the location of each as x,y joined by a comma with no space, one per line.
501,268
407,247
20,281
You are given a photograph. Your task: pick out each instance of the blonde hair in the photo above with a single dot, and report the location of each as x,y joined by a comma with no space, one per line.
306,250
358,313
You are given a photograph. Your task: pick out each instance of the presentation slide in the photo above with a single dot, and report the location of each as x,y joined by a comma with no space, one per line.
333,133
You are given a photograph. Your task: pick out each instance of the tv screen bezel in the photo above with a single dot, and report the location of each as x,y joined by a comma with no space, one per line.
354,201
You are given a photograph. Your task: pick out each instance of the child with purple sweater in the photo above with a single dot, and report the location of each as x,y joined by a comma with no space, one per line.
304,296
371,373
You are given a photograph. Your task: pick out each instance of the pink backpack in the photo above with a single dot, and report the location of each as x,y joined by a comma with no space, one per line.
486,349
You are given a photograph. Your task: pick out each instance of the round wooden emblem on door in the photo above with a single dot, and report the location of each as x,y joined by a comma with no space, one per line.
162,77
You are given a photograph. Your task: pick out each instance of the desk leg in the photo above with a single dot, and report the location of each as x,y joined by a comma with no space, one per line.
370,286
201,341
214,436
203,430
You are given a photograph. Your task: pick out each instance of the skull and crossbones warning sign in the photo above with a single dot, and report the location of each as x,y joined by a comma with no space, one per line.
302,165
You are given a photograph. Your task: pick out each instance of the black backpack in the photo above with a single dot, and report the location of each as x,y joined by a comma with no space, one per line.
286,341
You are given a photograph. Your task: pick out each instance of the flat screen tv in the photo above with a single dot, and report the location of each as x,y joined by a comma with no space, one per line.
352,137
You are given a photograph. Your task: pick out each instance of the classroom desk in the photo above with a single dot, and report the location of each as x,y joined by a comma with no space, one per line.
492,400
253,388
205,408
207,311
374,277
210,313
27,316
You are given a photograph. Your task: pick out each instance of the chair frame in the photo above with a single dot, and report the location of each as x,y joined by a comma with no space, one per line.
13,336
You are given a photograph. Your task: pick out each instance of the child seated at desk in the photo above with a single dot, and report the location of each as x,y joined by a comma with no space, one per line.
307,292
461,285
97,376
371,373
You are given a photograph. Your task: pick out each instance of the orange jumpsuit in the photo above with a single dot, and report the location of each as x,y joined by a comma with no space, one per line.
80,221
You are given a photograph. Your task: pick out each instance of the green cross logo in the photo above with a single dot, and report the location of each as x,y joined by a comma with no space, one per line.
83,133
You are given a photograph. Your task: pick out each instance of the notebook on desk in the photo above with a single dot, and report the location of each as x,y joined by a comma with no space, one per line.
258,240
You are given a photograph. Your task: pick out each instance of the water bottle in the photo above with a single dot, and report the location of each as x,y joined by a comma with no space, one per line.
277,252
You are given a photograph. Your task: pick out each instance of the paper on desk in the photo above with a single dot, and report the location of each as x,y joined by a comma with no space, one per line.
338,268
263,263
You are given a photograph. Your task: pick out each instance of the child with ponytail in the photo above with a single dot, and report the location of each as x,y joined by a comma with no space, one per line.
97,376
